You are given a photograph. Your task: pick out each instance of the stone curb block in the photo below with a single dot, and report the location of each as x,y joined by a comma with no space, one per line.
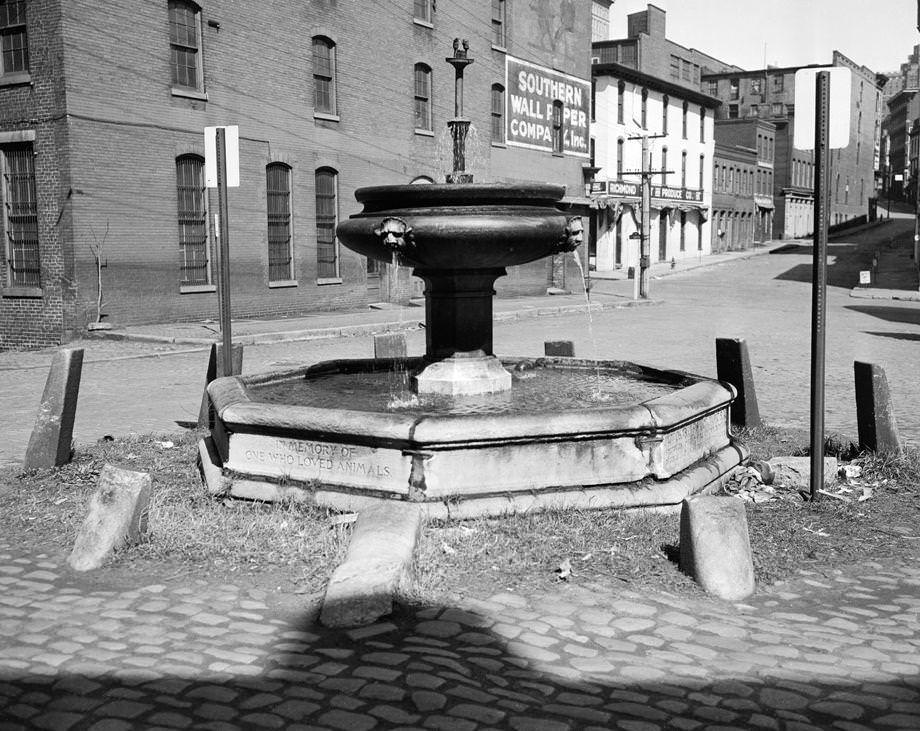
378,567
715,548
117,516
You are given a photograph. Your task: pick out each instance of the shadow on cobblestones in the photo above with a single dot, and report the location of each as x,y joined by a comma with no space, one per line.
906,314
513,665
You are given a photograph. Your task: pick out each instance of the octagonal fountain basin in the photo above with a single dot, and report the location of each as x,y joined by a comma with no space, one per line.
569,433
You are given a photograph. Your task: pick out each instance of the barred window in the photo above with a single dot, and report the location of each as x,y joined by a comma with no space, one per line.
14,47
185,44
499,36
20,216
498,113
278,206
194,239
423,97
323,75
327,261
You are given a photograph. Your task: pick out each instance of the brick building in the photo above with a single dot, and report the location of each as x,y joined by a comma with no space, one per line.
102,110
742,188
769,94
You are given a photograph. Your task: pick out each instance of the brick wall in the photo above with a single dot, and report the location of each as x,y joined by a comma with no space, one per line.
125,127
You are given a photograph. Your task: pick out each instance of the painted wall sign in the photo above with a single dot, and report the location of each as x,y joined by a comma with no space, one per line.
542,104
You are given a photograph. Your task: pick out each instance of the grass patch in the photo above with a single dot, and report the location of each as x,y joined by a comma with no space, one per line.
190,530
293,547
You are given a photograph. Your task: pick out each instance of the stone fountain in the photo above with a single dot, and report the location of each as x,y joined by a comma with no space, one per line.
662,437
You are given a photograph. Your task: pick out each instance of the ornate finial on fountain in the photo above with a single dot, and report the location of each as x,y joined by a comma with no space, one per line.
458,125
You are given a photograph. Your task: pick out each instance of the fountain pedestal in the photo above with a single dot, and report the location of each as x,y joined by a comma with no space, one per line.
458,334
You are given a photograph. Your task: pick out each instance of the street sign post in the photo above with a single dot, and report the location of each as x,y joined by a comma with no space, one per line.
222,169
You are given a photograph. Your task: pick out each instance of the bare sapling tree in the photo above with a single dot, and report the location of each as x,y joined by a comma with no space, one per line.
97,247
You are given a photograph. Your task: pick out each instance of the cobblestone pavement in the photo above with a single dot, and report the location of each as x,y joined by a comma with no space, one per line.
838,651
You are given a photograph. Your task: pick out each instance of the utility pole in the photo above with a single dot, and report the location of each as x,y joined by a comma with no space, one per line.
646,173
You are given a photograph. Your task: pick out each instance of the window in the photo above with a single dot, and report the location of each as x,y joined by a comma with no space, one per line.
702,124
664,165
685,70
683,169
643,122
15,48
278,205
498,114
733,111
755,110
665,102
621,93
778,83
498,23
776,110
713,87
323,75
702,168
327,260
683,120
755,86
20,215
185,44
557,127
194,241
593,98
423,97
620,148
422,10
675,67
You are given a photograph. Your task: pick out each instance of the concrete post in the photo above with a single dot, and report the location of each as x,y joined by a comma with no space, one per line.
216,370
875,420
52,436
390,345
734,366
565,348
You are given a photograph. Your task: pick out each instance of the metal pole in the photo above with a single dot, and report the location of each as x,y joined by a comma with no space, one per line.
819,279
223,259
645,244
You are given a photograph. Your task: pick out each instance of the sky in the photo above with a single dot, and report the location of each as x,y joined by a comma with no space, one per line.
879,34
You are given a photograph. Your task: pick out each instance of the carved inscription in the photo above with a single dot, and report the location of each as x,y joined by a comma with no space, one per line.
327,462
690,443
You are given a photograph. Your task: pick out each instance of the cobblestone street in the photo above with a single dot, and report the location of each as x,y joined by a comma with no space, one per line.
823,652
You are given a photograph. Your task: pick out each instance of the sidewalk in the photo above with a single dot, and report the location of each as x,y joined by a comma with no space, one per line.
609,290
896,274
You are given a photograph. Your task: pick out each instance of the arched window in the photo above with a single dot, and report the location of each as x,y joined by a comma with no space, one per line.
683,120
192,206
621,93
702,124
327,212
620,147
423,97
683,169
643,117
665,102
323,75
185,44
278,207
664,165
498,114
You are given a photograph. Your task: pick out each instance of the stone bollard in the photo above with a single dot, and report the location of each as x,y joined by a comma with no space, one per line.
215,371
565,348
734,366
52,436
117,517
878,431
715,548
379,567
390,345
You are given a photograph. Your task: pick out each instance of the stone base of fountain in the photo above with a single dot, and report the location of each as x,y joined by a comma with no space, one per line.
653,453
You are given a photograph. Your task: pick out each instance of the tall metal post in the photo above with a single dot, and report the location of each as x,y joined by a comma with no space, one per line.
645,243
223,257
819,278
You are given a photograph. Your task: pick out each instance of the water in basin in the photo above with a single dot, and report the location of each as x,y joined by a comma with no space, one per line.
535,389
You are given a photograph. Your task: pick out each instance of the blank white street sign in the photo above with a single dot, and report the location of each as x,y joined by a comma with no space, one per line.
803,137
232,140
